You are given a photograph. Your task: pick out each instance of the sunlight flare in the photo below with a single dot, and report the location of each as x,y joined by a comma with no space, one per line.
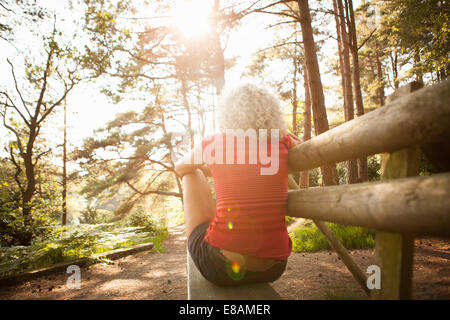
192,17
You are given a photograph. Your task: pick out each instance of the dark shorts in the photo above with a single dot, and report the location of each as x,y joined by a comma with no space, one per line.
215,267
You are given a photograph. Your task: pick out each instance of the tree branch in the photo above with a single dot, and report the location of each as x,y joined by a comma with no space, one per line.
367,39
163,193
40,155
19,141
46,74
18,91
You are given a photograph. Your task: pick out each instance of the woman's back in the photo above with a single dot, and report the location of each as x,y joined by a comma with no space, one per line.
251,205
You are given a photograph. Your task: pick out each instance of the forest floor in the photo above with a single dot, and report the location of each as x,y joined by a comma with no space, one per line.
318,275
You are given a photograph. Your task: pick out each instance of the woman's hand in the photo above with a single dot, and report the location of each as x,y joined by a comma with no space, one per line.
294,140
188,164
206,170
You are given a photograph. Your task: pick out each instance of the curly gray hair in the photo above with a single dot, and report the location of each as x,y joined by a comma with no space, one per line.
248,106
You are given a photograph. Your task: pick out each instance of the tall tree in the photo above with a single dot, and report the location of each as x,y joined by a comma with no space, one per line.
344,59
362,162
304,175
47,86
329,172
64,177
371,55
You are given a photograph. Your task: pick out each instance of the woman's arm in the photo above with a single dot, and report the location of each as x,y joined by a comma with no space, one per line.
189,164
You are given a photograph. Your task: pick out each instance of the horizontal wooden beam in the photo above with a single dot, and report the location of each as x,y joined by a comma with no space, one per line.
420,117
419,205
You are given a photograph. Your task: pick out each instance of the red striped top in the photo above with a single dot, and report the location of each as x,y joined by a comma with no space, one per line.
251,207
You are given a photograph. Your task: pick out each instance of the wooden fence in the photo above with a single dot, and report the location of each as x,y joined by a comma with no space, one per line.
400,206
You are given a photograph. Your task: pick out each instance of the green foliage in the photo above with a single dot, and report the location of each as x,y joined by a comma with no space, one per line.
75,242
308,238
423,28
92,215
128,178
139,218
425,166
163,233
46,207
289,220
14,228
373,167
342,172
315,178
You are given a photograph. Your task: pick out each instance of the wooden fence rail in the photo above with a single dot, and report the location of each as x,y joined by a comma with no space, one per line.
419,205
420,117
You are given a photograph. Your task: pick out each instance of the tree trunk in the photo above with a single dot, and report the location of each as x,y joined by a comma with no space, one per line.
339,43
419,76
64,180
394,65
294,96
304,175
188,109
351,166
329,172
27,195
380,78
362,162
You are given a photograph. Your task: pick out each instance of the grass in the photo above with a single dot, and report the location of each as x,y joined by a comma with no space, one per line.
77,242
308,238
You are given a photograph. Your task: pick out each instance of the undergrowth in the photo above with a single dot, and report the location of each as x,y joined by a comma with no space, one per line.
308,238
76,242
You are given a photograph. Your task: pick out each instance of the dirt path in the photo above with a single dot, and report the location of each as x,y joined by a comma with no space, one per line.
163,275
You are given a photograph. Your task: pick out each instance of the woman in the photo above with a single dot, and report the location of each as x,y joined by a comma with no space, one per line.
244,238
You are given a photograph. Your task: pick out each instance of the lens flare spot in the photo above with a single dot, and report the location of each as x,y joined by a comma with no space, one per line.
235,271
230,225
235,267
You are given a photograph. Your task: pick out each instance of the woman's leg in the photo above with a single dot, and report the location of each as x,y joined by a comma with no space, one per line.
199,206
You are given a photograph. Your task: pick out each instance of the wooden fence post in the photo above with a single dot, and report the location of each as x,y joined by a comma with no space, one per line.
394,251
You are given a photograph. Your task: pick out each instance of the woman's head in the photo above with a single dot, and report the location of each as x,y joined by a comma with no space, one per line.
249,106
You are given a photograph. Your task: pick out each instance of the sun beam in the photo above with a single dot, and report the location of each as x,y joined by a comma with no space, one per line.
192,17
